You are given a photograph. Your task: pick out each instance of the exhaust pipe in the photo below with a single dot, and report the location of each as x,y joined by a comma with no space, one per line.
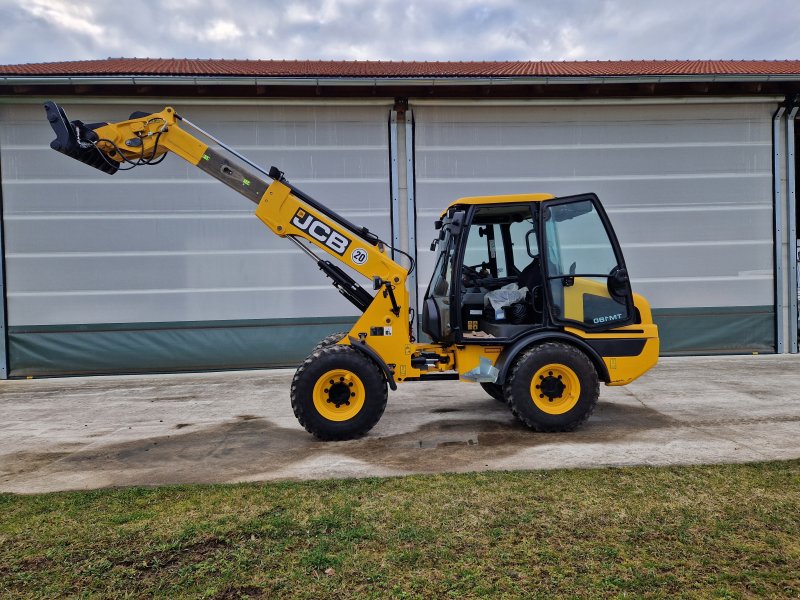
75,139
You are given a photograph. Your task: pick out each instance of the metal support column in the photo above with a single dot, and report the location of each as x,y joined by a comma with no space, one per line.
404,223
395,181
777,192
412,218
3,313
792,228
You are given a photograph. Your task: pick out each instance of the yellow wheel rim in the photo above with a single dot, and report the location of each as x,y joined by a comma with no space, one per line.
555,389
339,395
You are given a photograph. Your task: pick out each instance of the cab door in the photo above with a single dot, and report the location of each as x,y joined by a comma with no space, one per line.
587,282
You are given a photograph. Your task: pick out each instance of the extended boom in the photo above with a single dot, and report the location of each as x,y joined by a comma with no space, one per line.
536,334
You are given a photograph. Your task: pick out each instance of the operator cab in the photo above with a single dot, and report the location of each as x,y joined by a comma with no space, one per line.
507,268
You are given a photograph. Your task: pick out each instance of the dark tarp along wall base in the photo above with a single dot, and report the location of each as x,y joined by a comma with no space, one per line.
717,330
163,347
198,346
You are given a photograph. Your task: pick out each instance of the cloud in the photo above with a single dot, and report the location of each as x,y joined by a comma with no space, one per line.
218,31
223,31
68,16
35,30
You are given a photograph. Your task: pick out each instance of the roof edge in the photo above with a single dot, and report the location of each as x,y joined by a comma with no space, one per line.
239,80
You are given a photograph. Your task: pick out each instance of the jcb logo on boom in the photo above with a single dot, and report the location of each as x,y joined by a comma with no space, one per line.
320,231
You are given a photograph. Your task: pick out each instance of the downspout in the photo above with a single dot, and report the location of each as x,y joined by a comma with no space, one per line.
777,196
4,366
394,183
793,108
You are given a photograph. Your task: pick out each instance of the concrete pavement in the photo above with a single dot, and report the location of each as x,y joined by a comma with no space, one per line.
91,432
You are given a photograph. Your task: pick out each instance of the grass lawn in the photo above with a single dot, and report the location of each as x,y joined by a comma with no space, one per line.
728,531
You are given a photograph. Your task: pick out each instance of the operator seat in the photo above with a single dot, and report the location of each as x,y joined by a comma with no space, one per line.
531,277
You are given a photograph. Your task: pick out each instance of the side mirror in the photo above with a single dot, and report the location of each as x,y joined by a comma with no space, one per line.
457,223
618,281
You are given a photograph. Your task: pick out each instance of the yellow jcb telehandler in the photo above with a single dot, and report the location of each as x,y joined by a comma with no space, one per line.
529,295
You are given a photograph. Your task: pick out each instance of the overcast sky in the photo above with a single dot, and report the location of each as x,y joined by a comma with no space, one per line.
53,30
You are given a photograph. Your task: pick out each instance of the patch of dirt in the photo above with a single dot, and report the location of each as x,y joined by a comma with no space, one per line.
252,446
19,463
192,553
235,592
32,563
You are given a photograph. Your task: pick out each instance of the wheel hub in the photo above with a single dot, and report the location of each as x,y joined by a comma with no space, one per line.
555,388
339,392
339,395
551,386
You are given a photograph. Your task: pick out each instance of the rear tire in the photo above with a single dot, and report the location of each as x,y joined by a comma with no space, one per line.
338,393
330,340
495,390
552,387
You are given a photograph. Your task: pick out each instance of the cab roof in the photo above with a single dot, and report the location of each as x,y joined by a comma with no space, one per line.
507,199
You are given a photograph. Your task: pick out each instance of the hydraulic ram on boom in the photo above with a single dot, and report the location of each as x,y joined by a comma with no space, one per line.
543,354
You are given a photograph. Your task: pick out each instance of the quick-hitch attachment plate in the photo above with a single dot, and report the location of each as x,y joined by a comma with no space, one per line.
75,139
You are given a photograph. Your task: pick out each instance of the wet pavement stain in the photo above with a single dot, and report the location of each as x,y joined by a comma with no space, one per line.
252,445
204,455
21,463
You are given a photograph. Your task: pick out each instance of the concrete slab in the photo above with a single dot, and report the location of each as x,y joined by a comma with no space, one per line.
91,432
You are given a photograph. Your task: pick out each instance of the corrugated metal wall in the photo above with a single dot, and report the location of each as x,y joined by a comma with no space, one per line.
168,244
688,188
163,268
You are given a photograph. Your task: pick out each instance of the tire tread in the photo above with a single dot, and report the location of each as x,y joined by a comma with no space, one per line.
330,340
495,390
345,352
531,354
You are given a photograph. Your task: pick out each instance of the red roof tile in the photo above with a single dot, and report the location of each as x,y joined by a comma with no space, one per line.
370,69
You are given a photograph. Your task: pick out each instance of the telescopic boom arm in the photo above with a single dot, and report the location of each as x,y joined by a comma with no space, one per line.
145,139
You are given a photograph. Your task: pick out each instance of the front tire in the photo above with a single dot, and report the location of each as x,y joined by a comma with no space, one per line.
553,387
338,393
330,340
